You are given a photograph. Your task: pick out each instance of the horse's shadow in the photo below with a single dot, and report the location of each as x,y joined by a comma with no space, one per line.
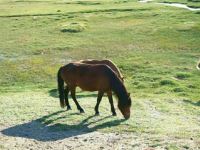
42,130
192,103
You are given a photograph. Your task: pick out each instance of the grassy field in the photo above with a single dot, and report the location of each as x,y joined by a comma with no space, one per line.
156,48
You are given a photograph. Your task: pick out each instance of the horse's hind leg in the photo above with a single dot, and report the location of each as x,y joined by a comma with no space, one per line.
111,103
100,95
66,98
73,94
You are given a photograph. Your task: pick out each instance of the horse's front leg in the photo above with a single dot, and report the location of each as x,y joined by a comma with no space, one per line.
66,98
100,95
73,94
111,103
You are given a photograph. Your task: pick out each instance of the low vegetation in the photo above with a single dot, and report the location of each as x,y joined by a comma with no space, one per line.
155,47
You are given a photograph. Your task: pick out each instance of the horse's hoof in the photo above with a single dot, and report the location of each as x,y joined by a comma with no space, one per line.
114,114
69,108
82,111
97,114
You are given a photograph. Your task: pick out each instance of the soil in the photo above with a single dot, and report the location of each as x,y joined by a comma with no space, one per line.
35,137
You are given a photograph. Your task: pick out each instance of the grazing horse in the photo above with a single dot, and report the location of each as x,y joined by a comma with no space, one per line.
104,62
89,77
95,62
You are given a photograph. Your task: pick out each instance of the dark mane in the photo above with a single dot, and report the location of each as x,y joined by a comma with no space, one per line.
118,88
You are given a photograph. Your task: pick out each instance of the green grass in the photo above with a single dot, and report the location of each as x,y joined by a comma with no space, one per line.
155,47
182,75
73,27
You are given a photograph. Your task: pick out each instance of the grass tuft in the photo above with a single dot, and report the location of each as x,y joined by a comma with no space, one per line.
74,27
178,89
182,75
167,82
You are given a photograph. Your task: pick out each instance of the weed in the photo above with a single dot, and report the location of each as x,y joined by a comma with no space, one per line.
167,82
182,75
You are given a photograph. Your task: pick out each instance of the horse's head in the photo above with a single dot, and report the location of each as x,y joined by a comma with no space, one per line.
125,107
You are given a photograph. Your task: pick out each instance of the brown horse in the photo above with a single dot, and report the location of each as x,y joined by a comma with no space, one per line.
95,62
104,62
99,78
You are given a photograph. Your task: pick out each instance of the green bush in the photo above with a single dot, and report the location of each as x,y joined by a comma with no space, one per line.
73,27
167,82
182,75
178,90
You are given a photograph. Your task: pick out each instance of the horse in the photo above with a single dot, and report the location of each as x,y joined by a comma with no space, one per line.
89,77
94,62
105,62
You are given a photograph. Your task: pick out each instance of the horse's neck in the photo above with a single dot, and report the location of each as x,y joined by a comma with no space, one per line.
119,89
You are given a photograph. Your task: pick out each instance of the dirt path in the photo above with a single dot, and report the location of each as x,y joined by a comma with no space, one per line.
155,124
42,138
94,140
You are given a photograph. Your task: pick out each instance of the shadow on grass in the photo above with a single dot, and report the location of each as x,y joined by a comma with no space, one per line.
54,93
41,129
192,103
81,12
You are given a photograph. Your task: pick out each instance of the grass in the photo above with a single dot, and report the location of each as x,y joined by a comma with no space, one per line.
150,116
167,82
73,27
155,47
163,122
182,75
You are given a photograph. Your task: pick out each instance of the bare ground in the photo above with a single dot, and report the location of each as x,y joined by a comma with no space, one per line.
33,136
25,127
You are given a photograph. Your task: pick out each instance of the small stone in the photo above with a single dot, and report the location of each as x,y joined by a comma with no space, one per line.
101,147
85,140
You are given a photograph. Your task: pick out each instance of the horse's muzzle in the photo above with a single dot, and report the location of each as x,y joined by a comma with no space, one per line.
127,117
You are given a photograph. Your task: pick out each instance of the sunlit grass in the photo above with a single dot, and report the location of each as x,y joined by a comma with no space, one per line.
172,117
155,47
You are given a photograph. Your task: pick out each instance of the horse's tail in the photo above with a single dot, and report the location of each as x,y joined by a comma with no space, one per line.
61,88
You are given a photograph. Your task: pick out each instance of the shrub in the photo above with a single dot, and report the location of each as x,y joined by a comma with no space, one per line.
73,27
166,82
182,75
178,90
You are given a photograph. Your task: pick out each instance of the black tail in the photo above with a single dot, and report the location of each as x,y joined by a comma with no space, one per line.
61,88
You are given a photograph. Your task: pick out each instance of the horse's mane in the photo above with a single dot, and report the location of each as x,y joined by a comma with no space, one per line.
118,88
105,61
115,66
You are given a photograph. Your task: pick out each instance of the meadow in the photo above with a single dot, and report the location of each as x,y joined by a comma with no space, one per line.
156,48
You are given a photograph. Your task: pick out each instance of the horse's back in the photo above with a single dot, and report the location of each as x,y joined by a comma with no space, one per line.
86,76
107,62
